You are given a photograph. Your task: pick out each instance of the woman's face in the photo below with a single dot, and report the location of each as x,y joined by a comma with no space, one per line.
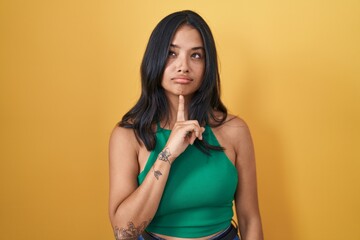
185,66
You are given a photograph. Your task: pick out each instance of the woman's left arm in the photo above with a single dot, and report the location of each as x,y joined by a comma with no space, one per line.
246,198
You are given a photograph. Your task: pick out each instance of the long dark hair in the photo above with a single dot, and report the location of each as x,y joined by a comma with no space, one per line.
152,106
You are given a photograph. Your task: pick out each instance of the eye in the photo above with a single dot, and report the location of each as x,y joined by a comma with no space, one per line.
196,55
172,54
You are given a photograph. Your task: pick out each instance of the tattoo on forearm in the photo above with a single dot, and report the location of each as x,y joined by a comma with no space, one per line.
132,232
164,155
157,173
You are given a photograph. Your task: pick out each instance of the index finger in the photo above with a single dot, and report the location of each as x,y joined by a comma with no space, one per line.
181,113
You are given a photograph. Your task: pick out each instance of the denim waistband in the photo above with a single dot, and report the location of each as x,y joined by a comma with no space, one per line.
230,233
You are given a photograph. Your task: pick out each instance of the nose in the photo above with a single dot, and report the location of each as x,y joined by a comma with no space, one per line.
182,64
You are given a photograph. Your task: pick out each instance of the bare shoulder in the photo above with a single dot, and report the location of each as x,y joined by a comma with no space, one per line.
123,139
121,133
235,128
234,135
235,121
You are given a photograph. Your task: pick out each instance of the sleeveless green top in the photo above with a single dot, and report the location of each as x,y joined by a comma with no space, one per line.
198,196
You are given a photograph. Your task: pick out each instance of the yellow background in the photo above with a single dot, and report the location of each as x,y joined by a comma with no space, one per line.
70,69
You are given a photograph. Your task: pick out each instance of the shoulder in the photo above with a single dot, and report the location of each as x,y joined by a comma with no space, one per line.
123,138
119,133
235,121
235,131
234,125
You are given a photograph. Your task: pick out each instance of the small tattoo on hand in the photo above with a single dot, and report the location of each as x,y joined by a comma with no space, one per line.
164,155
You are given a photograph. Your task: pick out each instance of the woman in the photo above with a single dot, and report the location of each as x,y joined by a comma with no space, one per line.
177,159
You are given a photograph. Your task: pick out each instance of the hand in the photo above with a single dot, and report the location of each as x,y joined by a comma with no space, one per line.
184,132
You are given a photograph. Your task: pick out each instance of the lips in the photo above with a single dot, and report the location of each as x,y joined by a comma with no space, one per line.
182,79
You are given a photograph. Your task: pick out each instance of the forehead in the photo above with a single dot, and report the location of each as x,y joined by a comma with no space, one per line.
187,36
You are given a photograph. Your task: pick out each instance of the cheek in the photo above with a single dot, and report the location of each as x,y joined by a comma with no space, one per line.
168,69
201,67
201,71
165,81
169,65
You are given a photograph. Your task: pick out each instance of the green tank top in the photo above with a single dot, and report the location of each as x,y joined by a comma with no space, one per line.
198,196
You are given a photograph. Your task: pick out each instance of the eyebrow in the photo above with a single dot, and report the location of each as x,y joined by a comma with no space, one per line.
194,48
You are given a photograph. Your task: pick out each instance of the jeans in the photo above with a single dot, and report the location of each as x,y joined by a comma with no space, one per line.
219,236
141,238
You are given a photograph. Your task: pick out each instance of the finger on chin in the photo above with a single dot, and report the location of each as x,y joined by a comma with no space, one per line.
181,110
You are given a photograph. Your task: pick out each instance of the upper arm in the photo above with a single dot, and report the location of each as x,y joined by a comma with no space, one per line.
246,200
123,166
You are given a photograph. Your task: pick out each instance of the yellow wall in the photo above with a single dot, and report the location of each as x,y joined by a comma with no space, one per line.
70,69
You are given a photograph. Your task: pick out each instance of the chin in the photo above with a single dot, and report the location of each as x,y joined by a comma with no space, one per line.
178,92
183,92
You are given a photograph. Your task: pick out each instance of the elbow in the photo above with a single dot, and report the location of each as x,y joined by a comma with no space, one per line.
251,228
113,212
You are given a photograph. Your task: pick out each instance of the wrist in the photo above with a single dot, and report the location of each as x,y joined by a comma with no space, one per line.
165,155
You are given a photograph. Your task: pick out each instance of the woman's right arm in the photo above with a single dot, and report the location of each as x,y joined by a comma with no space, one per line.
131,207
